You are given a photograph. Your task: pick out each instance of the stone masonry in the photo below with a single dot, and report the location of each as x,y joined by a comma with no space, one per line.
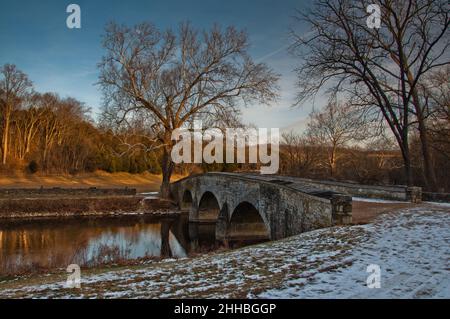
285,208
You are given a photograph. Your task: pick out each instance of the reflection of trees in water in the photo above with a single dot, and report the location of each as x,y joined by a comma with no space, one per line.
102,254
49,244
41,247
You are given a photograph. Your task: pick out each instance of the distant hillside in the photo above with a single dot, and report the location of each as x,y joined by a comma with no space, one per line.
142,182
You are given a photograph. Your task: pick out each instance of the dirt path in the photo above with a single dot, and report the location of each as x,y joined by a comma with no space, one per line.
364,212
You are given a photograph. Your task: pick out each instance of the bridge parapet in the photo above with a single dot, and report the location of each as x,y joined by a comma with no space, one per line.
391,192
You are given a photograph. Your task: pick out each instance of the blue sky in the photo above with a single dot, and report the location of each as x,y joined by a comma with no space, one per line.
34,36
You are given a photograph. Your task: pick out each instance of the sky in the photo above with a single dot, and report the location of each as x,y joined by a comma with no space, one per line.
34,36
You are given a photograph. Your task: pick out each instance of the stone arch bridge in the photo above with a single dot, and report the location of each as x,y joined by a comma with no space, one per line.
246,207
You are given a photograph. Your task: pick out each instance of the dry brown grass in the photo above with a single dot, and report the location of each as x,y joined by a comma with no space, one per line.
144,182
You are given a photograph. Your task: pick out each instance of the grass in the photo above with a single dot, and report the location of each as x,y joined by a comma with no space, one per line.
144,182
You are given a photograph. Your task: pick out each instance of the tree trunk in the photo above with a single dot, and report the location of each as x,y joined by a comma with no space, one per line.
29,139
5,139
428,171
407,162
44,158
167,170
333,161
166,252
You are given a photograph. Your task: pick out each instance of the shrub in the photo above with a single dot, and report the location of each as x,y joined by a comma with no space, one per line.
33,167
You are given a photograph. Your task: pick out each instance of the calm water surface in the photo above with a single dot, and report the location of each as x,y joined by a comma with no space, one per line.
49,243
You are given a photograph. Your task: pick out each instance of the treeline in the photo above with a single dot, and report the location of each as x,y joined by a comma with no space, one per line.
47,133
368,164
346,143
42,132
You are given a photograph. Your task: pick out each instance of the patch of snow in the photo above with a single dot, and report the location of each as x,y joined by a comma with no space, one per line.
441,204
150,195
376,200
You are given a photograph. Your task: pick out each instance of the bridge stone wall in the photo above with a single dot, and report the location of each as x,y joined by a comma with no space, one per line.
436,197
403,193
285,211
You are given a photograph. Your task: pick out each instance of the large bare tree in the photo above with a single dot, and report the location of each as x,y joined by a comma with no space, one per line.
176,76
14,87
378,67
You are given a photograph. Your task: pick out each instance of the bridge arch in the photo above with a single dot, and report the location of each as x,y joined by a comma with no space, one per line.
247,224
208,207
206,218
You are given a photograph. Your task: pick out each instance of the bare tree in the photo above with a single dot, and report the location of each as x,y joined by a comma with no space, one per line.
134,134
14,86
335,127
435,91
175,77
26,124
377,67
57,113
299,154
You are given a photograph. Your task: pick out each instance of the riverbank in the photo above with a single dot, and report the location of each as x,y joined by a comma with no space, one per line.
410,246
94,194
29,203
28,208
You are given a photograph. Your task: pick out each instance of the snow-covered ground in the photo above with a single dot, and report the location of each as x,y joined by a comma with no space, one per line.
411,247
150,195
376,200
439,204
412,250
